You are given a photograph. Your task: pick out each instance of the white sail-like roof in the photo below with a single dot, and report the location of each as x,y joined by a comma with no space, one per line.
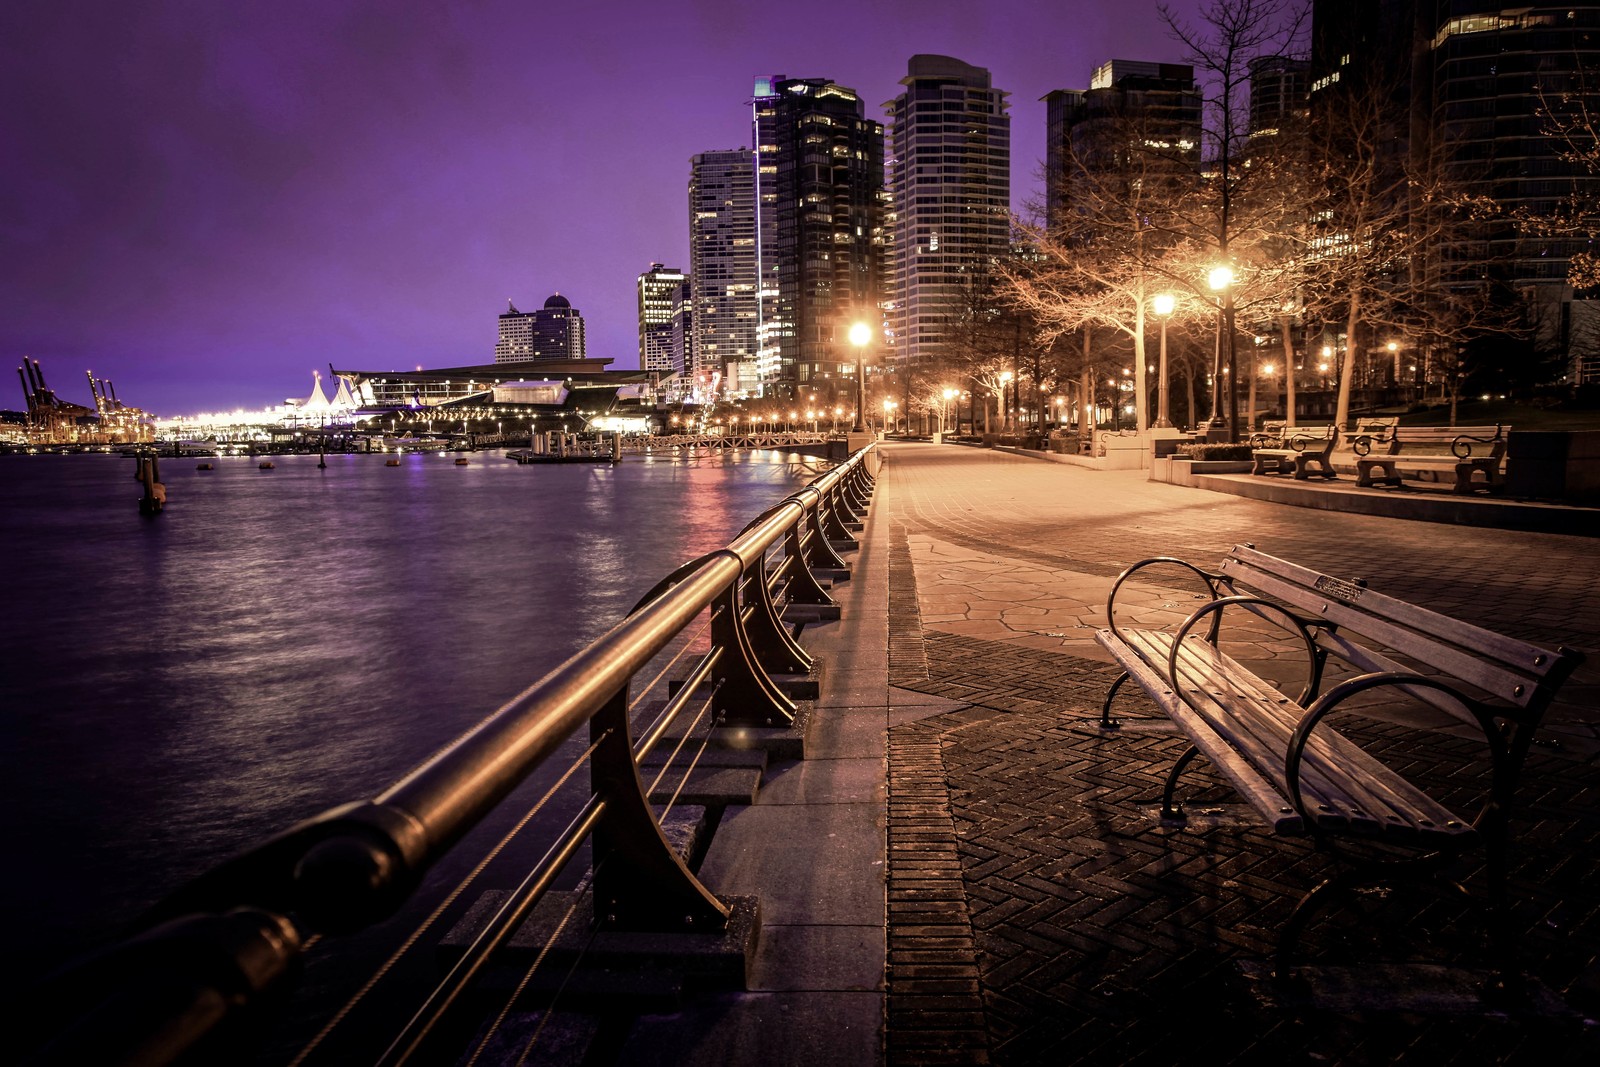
317,402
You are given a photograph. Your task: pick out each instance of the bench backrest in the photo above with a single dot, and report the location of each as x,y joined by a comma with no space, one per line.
1518,678
1299,438
1462,441
1371,431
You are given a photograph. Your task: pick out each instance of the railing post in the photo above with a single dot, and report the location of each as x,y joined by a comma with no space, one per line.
640,882
803,585
745,695
834,525
775,650
819,548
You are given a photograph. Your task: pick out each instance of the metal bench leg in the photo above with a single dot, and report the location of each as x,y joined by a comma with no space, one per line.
1168,809
1106,721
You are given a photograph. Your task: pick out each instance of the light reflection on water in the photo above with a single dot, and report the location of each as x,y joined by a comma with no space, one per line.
175,688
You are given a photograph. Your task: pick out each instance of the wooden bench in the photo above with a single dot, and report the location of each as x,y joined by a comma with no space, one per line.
1294,450
1301,775
1429,451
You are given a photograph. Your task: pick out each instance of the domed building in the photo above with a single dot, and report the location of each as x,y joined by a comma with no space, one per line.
555,331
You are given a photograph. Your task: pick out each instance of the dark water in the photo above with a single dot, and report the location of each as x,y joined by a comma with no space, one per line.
175,688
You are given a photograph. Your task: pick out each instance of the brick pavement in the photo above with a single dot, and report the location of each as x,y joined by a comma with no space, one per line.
1039,913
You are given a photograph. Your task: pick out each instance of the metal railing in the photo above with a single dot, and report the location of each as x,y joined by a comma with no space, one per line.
187,984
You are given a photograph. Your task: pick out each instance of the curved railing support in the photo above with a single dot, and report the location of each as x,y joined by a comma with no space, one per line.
640,881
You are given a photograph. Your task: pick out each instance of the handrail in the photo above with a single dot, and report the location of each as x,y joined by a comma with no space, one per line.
230,939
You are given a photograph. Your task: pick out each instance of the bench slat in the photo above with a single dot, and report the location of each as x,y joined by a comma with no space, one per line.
1277,811
1373,798
1496,664
1243,725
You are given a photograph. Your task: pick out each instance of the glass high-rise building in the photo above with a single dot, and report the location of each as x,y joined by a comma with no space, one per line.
722,260
950,196
819,172
1469,81
658,296
1157,105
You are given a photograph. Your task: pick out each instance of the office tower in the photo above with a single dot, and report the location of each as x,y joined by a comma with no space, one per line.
1493,69
819,185
763,138
950,197
722,259
682,326
658,295
1278,95
1089,129
1466,83
555,331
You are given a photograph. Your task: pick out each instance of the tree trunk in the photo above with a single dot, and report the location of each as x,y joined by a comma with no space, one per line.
1347,366
1250,419
1086,396
1188,380
1285,326
1141,390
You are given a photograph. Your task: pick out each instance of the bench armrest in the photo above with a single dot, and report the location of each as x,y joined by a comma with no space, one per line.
1211,581
1261,608
1461,447
1329,702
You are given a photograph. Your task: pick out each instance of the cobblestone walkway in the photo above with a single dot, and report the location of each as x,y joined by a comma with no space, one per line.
1040,913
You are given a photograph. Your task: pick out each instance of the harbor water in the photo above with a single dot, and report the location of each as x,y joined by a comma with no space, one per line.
175,688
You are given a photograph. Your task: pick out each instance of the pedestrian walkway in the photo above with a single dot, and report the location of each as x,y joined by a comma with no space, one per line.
965,870
1023,846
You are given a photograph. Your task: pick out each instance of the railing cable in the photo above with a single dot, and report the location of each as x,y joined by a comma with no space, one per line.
688,644
387,965
583,888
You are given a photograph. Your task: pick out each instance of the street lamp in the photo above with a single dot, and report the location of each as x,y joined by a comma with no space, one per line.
1163,305
1005,401
860,338
949,395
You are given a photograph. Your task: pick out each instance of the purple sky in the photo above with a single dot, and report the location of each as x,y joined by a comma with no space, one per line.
205,200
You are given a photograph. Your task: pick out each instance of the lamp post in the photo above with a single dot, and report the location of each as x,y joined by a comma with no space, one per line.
1163,305
1005,401
860,338
949,395
1221,281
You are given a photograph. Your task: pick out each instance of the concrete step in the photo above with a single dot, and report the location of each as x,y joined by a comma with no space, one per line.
708,786
711,757
602,967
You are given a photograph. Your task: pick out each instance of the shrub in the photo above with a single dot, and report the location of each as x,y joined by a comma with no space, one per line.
1219,451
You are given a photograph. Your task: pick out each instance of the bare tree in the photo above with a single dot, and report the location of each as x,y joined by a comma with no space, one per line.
1243,203
1110,247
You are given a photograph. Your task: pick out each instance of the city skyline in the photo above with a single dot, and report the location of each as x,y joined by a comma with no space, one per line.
207,204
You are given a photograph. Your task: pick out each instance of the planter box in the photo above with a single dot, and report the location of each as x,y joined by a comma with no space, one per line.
1220,466
1181,470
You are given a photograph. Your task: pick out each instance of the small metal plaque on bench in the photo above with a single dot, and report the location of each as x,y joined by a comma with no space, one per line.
1339,589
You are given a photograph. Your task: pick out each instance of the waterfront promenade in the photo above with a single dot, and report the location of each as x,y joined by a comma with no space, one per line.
964,870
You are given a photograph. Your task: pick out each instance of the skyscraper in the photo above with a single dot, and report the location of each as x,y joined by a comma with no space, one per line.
658,296
1278,87
1475,78
950,186
820,179
722,259
555,331
1090,128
